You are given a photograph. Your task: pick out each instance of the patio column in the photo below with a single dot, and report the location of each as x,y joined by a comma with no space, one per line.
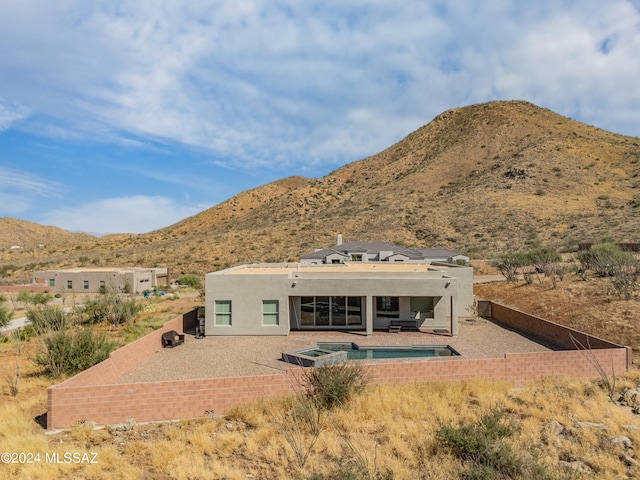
369,309
454,316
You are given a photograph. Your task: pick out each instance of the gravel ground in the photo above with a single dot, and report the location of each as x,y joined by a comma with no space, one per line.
211,357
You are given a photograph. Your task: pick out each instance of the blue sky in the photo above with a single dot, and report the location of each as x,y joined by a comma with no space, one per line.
128,116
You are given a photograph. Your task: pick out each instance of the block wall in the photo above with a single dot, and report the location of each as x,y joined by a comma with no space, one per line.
105,404
551,332
27,288
92,395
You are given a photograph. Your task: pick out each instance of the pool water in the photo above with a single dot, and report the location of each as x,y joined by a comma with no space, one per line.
356,352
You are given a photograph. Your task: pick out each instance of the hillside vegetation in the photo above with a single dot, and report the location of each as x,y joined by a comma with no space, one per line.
549,430
480,179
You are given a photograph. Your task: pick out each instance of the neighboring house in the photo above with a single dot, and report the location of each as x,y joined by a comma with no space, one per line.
379,252
90,280
273,299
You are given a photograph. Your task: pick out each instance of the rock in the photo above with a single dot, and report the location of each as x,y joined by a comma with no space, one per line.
631,396
631,427
516,173
629,461
617,398
122,427
577,466
554,428
552,434
600,426
619,440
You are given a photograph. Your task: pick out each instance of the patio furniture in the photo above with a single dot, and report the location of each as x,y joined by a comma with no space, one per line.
172,339
395,326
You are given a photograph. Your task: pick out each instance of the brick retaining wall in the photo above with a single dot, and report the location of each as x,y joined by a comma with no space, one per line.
91,395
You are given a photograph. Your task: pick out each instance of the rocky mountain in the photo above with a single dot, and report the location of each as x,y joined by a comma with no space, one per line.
480,179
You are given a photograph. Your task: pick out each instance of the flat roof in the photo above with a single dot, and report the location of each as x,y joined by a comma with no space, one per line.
102,269
353,267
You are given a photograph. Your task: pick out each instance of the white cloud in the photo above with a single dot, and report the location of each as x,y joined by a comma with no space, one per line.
20,190
133,214
287,84
10,114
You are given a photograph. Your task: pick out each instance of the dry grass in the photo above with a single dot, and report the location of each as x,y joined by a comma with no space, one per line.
584,305
384,429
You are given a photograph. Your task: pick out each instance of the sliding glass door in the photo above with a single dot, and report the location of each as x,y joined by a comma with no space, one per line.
325,311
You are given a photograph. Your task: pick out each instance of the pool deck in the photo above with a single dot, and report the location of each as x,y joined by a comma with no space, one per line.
237,356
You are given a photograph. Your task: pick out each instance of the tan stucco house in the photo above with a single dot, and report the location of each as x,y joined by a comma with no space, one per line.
91,280
274,299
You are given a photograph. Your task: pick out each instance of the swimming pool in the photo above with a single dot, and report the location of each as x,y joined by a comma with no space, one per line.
356,352
332,352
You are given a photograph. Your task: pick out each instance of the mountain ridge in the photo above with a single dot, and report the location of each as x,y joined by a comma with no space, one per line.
481,179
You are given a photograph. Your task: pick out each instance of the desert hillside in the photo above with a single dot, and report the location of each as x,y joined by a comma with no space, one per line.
480,179
15,232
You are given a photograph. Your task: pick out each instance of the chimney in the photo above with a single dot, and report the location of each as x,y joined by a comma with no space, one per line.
339,239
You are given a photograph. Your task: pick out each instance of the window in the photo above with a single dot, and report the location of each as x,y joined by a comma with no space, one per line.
102,284
335,311
421,307
85,284
354,311
52,282
388,307
270,312
69,284
223,312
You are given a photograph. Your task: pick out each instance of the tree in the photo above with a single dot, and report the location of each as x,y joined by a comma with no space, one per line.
545,261
25,297
509,264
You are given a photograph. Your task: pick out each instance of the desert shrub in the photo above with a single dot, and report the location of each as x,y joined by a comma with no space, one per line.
192,281
70,351
26,333
300,421
41,298
480,445
46,318
349,470
609,260
486,455
5,313
110,307
602,258
334,384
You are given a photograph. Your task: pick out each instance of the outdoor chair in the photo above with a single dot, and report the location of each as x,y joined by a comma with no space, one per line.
172,339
